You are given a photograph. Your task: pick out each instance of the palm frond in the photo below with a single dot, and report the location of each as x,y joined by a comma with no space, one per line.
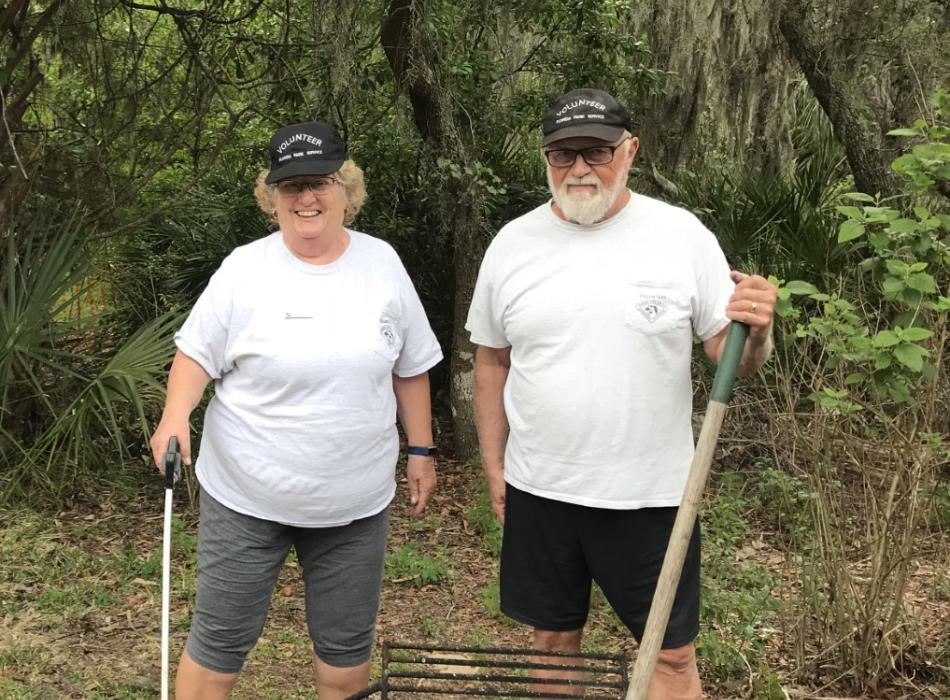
93,429
40,277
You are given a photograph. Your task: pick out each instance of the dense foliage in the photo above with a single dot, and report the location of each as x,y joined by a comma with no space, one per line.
133,131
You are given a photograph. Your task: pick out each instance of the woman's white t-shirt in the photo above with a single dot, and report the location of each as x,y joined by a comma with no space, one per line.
302,426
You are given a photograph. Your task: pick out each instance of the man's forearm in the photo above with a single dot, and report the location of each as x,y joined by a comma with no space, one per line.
490,415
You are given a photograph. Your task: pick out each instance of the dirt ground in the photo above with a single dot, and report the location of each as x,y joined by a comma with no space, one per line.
80,602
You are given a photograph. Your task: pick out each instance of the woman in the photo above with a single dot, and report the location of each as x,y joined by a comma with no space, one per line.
315,339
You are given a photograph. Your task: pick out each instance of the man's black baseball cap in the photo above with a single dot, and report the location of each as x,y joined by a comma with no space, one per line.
310,148
586,112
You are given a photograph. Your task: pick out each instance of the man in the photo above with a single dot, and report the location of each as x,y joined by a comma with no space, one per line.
584,314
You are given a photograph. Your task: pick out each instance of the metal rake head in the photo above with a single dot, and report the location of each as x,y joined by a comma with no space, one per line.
422,670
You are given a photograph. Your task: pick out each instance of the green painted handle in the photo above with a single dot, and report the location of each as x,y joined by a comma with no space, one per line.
729,362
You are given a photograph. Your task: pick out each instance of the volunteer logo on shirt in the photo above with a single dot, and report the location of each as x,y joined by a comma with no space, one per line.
386,330
652,308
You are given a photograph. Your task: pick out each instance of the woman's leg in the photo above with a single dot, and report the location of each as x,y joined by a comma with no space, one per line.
343,572
194,682
239,559
338,682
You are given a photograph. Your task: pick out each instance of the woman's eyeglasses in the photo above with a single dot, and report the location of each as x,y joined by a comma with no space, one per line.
595,155
292,188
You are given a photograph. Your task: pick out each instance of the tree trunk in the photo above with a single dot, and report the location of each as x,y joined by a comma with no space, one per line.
862,141
725,85
417,74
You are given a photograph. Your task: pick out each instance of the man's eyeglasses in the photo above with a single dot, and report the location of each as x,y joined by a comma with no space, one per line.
595,155
292,188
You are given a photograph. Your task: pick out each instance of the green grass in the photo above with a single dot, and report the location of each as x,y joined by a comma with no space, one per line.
430,523
490,598
271,689
283,644
412,563
14,690
428,627
478,637
121,692
65,575
74,600
19,655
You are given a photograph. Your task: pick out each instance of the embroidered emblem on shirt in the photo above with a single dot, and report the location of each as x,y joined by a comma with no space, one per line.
652,309
386,330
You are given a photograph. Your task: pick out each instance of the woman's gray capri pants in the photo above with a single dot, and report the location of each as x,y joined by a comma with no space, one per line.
239,559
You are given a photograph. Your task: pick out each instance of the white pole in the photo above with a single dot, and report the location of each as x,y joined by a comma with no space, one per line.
166,577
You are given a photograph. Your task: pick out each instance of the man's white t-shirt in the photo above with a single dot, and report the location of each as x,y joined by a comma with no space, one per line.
600,320
302,426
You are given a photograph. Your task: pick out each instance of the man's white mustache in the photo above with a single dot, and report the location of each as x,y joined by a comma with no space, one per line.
588,180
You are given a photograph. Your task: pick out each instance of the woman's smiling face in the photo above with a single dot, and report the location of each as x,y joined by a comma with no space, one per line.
314,212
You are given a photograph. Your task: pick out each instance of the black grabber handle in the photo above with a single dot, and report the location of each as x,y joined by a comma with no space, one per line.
172,463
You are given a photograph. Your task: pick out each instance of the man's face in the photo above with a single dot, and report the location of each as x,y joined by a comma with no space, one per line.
584,193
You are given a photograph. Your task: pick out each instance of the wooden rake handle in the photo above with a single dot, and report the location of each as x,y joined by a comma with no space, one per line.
686,515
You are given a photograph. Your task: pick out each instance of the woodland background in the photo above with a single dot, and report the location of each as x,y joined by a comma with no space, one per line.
812,137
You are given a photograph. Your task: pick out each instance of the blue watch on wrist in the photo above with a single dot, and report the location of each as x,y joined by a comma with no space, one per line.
422,451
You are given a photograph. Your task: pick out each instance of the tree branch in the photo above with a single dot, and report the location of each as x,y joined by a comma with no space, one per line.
164,9
863,146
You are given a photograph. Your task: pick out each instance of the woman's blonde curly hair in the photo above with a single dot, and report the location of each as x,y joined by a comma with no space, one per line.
350,177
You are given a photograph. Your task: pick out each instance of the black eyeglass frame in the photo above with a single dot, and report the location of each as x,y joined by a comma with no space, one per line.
294,188
582,151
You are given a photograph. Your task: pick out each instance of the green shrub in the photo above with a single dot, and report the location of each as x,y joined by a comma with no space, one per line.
736,595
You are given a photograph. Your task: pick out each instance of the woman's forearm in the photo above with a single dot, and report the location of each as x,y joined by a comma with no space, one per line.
414,407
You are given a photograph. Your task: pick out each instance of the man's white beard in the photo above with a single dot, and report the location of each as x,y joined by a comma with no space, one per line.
583,208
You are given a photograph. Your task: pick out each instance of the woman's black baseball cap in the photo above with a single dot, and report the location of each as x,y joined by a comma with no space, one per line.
310,148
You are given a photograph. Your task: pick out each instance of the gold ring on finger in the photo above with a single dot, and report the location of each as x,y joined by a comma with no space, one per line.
755,305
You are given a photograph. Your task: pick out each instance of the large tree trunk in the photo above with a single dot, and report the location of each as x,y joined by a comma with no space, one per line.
849,115
725,85
417,74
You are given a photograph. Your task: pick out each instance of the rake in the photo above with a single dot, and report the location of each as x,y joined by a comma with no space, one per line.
423,670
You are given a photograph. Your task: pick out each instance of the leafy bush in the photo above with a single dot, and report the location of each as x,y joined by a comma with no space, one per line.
868,356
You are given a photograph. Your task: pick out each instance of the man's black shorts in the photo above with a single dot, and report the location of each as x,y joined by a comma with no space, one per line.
551,550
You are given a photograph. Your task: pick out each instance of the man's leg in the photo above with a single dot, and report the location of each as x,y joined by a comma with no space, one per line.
194,682
338,682
545,582
629,582
556,641
676,676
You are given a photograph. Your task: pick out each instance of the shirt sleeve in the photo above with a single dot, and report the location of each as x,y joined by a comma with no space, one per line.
204,335
714,286
484,322
420,348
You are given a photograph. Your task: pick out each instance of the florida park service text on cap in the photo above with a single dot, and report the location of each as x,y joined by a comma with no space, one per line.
310,148
585,112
